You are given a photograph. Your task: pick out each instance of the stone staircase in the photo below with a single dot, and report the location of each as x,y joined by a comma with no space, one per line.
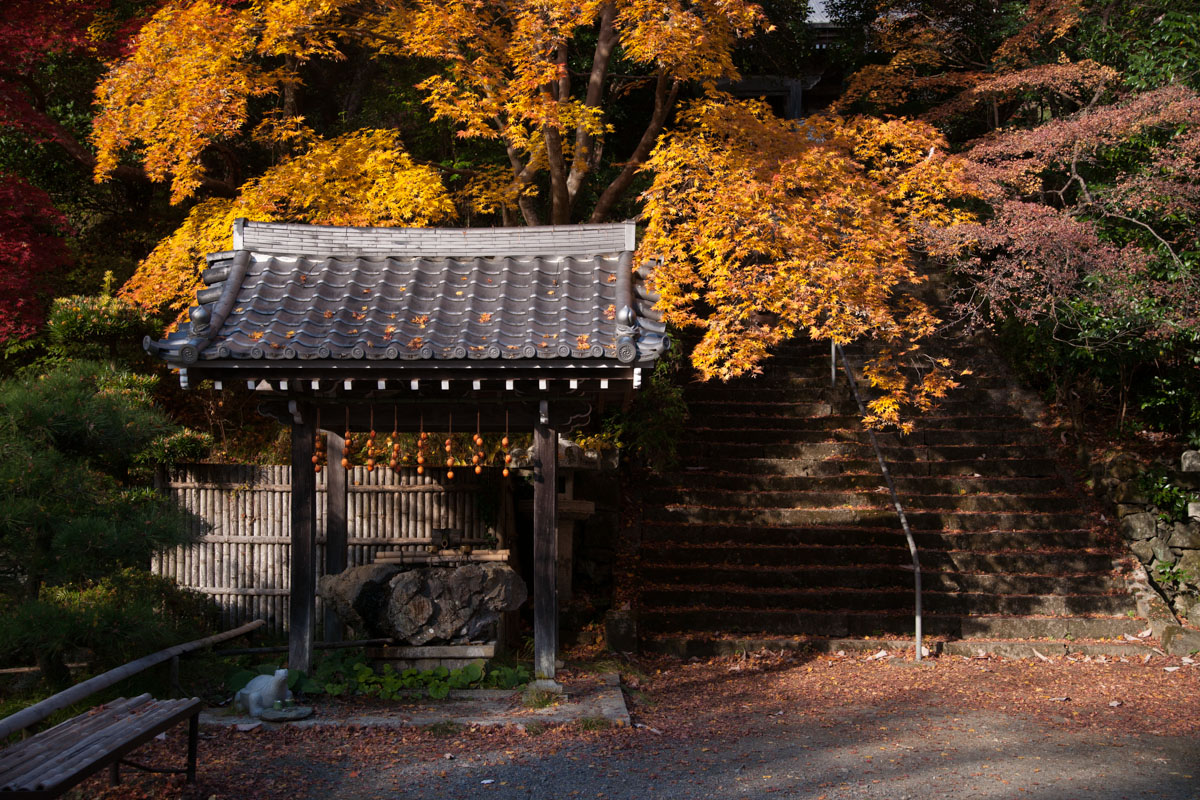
777,525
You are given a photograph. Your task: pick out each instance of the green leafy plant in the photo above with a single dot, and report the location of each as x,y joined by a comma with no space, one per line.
1169,574
1166,495
347,672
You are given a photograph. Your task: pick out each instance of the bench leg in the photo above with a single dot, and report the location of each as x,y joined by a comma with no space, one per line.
193,736
114,773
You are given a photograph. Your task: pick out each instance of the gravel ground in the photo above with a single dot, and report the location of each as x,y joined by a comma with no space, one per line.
756,727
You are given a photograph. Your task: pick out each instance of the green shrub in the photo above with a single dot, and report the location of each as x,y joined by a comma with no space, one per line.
100,326
106,622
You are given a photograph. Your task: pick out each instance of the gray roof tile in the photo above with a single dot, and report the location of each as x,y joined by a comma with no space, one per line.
272,306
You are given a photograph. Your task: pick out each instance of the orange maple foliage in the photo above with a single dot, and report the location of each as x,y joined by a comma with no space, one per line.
764,230
377,184
503,75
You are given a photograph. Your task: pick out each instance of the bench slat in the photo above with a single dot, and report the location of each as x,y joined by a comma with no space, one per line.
134,723
100,748
87,751
22,753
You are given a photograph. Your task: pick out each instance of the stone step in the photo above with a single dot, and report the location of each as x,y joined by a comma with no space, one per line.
878,500
700,419
875,577
686,646
872,517
842,536
1011,467
718,600
1029,562
823,450
701,479
765,432
792,387
844,623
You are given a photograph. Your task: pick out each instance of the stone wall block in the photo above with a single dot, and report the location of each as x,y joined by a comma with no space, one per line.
1130,492
1185,535
1190,461
1139,526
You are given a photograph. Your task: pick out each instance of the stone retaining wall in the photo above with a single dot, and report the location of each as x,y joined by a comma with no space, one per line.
1169,549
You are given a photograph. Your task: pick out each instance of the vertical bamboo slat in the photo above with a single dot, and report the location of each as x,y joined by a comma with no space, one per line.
240,515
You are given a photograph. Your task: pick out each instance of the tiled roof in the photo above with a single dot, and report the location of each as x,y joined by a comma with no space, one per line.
322,240
355,307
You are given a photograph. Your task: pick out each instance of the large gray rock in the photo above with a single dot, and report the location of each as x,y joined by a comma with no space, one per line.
1139,526
1130,492
1190,461
1143,550
1123,467
1185,535
1189,564
358,595
450,605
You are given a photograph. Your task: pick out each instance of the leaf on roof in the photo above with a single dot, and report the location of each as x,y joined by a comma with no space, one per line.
485,316
581,341
328,315
612,278
610,312
415,343
458,294
256,335
476,347
290,334
420,320
354,330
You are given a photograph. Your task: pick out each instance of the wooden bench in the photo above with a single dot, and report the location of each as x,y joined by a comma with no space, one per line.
52,761
49,763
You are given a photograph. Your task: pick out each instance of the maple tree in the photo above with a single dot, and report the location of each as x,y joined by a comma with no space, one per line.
377,183
1087,152
31,251
504,73
763,230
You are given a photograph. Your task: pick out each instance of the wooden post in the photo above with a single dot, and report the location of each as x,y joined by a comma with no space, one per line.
336,529
303,612
545,547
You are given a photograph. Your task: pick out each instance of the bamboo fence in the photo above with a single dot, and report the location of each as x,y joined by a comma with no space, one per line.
240,519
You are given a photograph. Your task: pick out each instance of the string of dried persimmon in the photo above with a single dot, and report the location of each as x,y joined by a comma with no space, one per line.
395,462
349,443
504,444
371,443
421,441
477,459
318,446
449,450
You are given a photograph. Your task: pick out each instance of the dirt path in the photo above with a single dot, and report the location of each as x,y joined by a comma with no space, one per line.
765,727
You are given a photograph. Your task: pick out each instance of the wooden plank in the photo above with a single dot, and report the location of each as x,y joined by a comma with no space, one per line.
545,546
303,599
86,747
336,529
69,697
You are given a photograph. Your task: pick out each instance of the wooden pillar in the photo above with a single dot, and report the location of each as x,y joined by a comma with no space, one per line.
336,529
303,612
545,546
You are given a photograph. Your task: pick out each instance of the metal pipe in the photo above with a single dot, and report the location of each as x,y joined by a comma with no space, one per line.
887,477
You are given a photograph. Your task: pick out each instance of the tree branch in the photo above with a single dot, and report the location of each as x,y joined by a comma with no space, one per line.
586,152
665,92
